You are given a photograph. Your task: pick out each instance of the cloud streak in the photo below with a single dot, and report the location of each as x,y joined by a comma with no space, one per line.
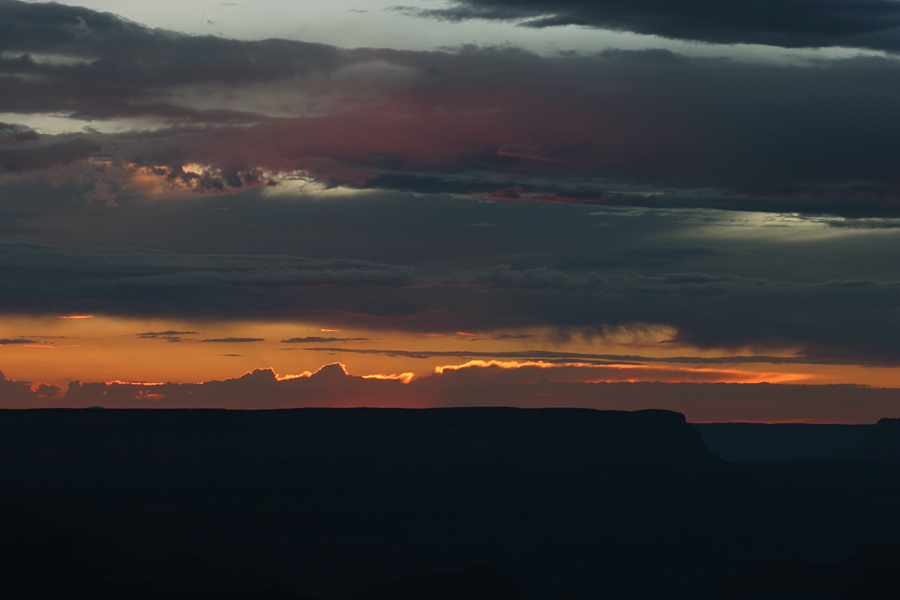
873,24
551,357
321,340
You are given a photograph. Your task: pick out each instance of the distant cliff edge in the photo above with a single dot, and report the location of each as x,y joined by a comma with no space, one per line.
71,436
878,443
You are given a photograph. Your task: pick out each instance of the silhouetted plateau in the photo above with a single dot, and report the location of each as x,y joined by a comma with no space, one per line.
879,443
328,503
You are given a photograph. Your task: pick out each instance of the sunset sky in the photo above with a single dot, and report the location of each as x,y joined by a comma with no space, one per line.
462,202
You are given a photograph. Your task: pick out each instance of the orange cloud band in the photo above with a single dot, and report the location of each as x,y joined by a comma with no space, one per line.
632,373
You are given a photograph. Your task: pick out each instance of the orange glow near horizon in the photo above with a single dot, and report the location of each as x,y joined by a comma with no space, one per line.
94,348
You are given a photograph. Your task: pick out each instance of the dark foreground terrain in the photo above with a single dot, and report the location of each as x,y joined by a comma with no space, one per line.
781,442
480,504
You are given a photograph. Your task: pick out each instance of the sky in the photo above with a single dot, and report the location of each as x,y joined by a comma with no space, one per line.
606,203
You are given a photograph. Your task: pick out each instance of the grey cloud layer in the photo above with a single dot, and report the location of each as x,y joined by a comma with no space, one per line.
137,57
825,320
40,156
14,134
526,171
788,23
818,137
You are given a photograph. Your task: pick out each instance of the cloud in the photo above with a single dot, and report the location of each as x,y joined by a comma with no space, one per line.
11,134
155,334
550,357
233,340
528,151
494,371
322,340
19,394
788,23
332,386
709,310
409,150
9,342
213,115
41,156
145,56
170,336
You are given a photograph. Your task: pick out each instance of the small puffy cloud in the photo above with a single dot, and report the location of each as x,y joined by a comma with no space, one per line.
22,394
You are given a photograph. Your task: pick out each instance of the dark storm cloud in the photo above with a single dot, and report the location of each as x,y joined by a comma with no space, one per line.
708,310
696,132
525,169
871,24
113,49
37,156
101,66
817,137
62,91
16,134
